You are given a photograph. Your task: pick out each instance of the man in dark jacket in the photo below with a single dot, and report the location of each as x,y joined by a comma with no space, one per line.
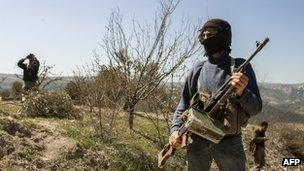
208,76
258,144
30,72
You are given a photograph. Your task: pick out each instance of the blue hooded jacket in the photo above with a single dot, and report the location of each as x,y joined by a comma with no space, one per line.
211,75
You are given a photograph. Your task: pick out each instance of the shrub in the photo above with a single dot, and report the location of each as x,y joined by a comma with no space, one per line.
5,94
73,90
53,104
293,140
16,90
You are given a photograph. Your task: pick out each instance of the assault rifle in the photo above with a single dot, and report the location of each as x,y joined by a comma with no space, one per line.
209,108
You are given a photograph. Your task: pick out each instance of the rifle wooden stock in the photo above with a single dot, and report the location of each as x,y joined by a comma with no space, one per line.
168,149
164,154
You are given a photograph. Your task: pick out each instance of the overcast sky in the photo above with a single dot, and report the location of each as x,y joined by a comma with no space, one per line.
65,32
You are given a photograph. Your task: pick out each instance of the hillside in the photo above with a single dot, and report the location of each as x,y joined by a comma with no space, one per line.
64,144
282,103
289,97
49,143
9,79
277,115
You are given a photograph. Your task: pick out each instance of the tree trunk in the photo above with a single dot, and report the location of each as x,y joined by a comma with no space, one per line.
131,117
129,108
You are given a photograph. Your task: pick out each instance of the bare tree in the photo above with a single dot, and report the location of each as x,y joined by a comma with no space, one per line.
144,55
46,77
100,91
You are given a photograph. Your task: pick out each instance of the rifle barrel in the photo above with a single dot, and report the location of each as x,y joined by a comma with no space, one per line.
258,49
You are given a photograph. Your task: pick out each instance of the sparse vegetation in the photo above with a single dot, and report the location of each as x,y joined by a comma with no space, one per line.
293,139
82,148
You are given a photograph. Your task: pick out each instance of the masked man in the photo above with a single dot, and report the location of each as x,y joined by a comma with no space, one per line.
208,76
30,72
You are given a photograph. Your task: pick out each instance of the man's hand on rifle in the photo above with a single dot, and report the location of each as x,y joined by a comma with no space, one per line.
176,141
239,81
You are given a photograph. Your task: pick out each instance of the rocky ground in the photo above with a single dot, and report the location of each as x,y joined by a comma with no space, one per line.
42,144
52,144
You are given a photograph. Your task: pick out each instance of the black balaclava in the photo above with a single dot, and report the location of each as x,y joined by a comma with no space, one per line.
220,41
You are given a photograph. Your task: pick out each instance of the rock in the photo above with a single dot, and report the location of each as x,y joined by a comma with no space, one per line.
2,153
77,152
15,129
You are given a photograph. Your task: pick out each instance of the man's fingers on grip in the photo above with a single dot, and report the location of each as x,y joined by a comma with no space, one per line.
237,84
184,141
173,138
245,78
240,85
237,75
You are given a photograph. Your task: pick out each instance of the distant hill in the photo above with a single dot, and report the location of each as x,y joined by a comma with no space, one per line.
10,78
282,103
287,97
277,115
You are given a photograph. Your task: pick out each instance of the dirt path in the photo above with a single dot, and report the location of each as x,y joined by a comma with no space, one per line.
56,144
